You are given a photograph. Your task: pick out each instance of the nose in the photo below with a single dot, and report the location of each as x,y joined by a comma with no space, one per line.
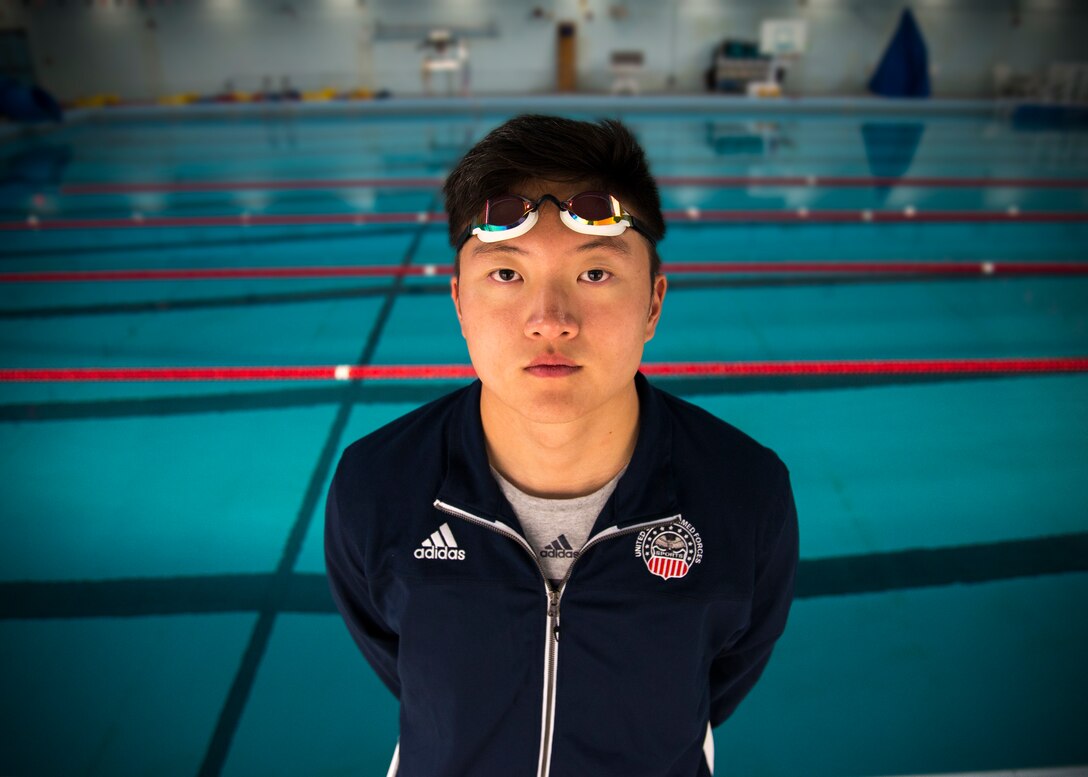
550,316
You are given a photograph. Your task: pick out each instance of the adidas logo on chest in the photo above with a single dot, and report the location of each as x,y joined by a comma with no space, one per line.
440,545
560,547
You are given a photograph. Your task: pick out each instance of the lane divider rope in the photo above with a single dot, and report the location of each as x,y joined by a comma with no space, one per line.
143,221
225,273
909,213
988,268
139,187
345,372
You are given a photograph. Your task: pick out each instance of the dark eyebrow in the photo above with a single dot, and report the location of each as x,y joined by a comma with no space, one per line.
483,249
608,242
611,242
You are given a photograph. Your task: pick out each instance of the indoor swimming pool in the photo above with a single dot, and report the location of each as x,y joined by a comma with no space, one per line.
199,310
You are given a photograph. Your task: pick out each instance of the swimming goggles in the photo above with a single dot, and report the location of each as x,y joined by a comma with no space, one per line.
510,215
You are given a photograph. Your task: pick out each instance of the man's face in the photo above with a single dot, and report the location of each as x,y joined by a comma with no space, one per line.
555,320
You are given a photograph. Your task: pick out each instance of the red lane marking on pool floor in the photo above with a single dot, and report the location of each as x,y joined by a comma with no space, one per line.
140,221
137,187
460,371
678,268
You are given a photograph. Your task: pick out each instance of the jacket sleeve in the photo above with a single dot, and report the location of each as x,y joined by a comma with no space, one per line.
735,671
352,594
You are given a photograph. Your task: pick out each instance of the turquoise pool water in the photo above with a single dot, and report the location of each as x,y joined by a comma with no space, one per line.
164,608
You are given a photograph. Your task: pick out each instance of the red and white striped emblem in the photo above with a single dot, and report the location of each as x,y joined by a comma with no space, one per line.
667,567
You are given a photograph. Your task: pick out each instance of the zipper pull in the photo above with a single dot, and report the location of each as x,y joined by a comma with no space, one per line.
553,612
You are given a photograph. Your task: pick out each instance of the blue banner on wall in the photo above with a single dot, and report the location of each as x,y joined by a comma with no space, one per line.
904,69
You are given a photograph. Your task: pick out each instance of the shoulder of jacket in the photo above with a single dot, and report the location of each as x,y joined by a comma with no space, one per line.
705,434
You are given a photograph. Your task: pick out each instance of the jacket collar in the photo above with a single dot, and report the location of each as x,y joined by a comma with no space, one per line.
645,492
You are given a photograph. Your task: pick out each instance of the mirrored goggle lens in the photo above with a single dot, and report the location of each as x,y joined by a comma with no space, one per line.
504,213
588,208
595,209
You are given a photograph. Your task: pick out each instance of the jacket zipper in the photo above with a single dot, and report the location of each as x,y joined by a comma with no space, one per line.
551,638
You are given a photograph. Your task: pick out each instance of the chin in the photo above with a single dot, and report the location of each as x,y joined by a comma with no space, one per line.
550,407
543,404
553,415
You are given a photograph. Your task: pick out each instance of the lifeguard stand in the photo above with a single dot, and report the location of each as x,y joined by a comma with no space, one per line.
443,52
735,64
783,40
626,67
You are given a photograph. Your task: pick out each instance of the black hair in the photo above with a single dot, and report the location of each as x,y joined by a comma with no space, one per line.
531,147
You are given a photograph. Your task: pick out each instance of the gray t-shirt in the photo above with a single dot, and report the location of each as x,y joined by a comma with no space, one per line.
556,528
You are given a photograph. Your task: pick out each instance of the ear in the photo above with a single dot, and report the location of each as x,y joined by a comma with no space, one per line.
455,295
657,299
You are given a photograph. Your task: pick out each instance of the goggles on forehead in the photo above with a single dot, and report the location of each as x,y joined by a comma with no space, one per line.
510,215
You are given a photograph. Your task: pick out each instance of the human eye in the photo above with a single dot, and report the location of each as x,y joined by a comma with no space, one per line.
595,276
504,275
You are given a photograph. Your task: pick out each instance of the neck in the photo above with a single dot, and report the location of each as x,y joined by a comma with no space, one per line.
560,460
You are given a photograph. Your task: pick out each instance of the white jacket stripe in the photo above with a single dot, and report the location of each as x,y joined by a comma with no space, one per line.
394,765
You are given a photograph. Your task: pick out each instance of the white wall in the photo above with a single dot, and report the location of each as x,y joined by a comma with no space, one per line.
141,51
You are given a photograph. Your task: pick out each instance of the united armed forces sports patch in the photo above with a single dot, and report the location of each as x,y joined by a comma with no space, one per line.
670,550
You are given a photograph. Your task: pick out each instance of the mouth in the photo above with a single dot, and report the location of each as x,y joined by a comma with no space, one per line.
552,366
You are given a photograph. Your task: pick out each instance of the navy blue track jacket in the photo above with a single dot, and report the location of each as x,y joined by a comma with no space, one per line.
662,625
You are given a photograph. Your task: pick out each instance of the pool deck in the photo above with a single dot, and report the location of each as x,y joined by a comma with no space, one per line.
588,103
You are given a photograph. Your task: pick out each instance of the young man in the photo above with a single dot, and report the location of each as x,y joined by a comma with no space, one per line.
560,570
